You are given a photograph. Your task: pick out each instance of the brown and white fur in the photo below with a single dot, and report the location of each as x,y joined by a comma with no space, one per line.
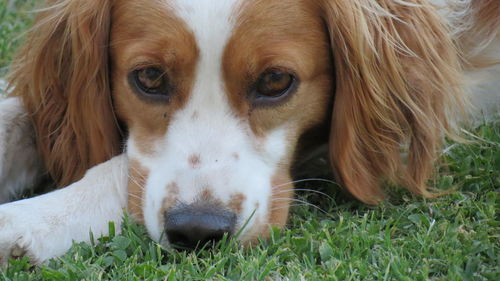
377,78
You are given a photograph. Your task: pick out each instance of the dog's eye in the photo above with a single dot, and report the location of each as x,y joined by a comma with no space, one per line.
150,81
274,83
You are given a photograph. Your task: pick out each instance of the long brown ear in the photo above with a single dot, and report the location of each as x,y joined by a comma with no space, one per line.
398,81
61,74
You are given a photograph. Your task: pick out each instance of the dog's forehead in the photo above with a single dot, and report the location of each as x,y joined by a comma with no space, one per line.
207,18
211,23
220,20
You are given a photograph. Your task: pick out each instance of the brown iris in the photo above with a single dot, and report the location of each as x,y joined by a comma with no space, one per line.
274,83
150,81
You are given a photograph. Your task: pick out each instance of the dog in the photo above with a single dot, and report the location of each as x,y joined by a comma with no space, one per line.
191,115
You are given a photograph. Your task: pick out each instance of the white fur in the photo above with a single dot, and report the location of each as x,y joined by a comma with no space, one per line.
483,88
482,85
20,165
44,227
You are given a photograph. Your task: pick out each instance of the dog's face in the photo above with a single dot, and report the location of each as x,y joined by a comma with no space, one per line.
215,95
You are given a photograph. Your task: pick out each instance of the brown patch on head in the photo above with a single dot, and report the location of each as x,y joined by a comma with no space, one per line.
194,161
285,34
142,36
236,202
136,184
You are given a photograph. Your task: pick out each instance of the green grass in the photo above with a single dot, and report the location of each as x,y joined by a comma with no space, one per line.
455,237
15,19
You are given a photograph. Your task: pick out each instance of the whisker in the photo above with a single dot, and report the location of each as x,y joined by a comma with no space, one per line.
142,188
136,205
138,173
305,180
305,203
292,205
135,196
308,190
136,182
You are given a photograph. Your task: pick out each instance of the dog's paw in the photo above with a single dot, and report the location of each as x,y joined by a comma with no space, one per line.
15,240
26,234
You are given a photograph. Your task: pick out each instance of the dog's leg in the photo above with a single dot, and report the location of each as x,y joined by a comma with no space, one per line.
20,165
44,227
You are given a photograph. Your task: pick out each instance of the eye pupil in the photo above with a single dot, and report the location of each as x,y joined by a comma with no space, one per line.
151,81
274,83
150,77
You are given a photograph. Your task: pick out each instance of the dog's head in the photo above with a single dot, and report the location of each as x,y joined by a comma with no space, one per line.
214,97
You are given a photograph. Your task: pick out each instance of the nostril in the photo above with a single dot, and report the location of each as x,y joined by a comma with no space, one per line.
178,239
192,226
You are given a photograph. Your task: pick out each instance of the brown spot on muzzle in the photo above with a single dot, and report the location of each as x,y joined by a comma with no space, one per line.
136,184
282,193
207,195
172,196
194,161
236,202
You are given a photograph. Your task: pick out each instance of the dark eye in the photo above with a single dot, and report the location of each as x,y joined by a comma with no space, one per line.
150,81
274,83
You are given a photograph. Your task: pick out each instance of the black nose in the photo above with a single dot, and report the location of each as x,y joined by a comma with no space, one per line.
195,225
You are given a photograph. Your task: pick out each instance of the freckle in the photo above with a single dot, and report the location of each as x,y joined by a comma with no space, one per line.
236,202
257,205
173,187
206,194
194,161
236,156
171,198
165,115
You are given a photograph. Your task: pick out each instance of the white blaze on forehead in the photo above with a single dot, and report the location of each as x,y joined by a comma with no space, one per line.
212,23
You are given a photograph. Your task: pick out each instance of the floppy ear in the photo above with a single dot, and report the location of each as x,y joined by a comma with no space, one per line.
61,75
398,81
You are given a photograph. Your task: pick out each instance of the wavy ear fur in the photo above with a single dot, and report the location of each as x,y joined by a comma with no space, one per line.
398,82
61,75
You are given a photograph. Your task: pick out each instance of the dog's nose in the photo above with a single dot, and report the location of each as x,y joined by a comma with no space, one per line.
195,225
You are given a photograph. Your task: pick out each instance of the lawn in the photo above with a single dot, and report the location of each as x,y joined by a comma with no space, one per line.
328,237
